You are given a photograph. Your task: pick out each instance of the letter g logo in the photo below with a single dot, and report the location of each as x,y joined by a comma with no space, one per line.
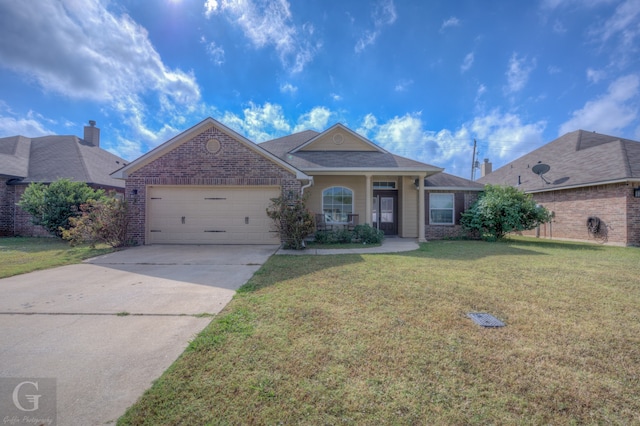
34,399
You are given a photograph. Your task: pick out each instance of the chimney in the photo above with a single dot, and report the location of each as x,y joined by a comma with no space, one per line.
92,133
485,168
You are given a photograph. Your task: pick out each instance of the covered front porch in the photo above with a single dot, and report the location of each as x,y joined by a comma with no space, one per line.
393,203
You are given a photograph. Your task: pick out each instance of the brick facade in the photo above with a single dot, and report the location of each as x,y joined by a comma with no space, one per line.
6,208
463,201
190,163
614,205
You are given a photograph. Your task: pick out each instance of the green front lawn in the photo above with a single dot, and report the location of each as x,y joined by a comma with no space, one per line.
384,339
20,255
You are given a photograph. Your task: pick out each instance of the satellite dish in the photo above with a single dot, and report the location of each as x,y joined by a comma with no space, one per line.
540,169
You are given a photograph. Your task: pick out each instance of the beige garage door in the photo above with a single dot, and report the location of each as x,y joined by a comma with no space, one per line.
210,215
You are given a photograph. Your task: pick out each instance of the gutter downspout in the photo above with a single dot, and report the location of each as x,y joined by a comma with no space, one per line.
306,186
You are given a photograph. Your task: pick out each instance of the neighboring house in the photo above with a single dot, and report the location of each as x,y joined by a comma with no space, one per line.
590,179
210,185
46,159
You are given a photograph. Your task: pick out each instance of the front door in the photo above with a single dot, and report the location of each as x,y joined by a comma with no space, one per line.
385,211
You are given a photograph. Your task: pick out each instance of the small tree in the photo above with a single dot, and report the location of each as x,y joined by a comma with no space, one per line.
503,209
102,221
52,205
292,219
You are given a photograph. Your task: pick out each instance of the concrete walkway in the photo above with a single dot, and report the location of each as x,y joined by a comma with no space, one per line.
389,245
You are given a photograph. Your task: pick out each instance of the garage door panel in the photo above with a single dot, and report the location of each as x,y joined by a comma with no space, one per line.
237,211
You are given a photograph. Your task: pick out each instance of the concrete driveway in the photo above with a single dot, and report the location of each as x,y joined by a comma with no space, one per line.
68,323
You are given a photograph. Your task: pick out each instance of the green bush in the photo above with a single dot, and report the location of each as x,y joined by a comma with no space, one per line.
53,205
102,221
503,209
364,234
367,234
291,218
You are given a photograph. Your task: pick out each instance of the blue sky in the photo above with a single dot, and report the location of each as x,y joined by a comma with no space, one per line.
422,79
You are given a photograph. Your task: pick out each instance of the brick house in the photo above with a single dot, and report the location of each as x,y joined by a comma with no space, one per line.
591,183
46,159
210,185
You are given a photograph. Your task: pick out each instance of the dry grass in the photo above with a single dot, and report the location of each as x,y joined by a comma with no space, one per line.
19,255
384,339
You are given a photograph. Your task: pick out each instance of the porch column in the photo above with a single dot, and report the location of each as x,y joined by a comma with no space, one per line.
368,200
421,213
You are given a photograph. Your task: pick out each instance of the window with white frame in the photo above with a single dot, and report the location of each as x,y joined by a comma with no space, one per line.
384,185
337,204
441,209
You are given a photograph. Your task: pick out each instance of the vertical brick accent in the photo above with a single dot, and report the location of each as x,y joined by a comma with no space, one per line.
190,163
22,225
633,218
613,204
6,208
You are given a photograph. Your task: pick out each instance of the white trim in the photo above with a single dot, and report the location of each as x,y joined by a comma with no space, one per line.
353,199
377,171
452,188
453,209
585,185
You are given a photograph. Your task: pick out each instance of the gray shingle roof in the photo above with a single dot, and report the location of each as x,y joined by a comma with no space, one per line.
446,180
332,160
578,158
48,158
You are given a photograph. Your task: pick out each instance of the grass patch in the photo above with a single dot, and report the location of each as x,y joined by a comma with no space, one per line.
19,255
384,339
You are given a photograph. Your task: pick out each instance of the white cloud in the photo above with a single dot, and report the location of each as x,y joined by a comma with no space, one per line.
383,14
610,113
552,69
467,62
620,33
29,126
336,97
83,51
518,73
316,119
558,27
403,85
594,76
449,23
259,122
501,136
288,88
215,52
268,23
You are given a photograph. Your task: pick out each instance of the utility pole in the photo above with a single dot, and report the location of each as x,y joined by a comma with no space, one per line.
473,161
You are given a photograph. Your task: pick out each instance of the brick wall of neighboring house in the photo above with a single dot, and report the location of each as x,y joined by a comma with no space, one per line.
463,200
572,207
633,219
192,164
6,208
22,225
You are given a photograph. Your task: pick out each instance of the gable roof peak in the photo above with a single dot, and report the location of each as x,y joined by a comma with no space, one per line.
341,127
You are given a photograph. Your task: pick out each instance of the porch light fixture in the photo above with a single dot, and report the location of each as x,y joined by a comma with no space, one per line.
636,192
